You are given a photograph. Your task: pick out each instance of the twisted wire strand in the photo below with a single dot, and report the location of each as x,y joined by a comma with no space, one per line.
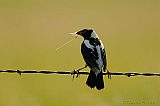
128,74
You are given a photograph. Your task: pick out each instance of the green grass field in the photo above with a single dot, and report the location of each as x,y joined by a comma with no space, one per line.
31,30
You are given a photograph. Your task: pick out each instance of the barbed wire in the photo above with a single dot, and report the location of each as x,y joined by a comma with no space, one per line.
128,74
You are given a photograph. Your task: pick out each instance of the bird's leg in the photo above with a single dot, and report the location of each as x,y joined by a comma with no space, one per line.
77,71
109,74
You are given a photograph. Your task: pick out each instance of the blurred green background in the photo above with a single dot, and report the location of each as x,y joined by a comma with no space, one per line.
31,30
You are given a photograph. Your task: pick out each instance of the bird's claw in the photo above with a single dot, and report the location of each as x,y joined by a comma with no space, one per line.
109,74
75,72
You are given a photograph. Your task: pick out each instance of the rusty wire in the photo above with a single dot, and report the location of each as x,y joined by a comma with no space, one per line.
128,74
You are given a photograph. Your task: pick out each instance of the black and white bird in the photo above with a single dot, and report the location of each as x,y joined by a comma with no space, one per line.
94,54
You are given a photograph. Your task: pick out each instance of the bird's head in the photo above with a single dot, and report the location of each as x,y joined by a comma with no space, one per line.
87,33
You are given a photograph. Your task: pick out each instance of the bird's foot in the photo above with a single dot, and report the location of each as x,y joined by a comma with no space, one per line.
75,72
109,74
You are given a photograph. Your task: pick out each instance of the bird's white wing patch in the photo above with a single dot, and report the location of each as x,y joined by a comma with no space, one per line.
102,46
86,42
99,61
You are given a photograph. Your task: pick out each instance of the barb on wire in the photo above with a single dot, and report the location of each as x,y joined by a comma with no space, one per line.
128,74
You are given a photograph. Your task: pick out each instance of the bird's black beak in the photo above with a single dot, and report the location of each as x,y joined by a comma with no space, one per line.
78,33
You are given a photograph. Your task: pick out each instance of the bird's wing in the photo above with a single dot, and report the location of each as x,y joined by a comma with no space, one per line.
104,59
90,56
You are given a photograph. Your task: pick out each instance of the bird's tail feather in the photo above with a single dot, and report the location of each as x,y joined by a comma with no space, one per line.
91,81
99,81
94,80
